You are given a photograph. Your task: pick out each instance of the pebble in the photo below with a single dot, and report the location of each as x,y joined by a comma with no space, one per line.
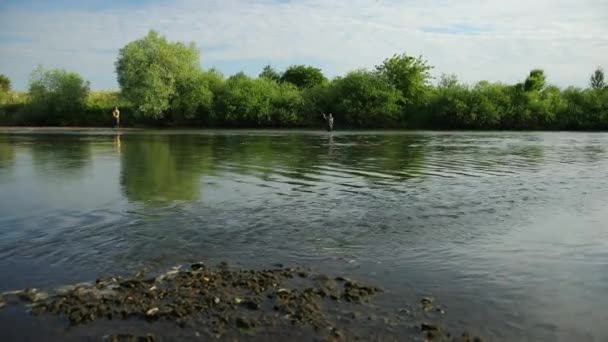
271,296
152,312
428,327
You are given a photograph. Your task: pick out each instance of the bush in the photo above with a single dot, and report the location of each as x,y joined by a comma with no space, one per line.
56,97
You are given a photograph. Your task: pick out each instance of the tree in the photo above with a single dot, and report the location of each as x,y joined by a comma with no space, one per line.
303,76
270,73
596,81
151,72
5,88
57,95
449,105
194,96
366,99
447,81
5,84
536,81
408,74
244,101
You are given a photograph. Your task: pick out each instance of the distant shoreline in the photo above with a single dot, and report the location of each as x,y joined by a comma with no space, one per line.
60,129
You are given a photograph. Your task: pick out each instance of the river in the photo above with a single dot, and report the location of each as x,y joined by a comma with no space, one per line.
508,230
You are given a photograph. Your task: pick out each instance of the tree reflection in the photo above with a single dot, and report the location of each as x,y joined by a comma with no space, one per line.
7,153
53,154
164,168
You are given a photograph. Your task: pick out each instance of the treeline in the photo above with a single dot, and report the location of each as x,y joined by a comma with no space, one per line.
163,84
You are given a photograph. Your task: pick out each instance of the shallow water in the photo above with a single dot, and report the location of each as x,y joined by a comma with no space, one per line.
508,230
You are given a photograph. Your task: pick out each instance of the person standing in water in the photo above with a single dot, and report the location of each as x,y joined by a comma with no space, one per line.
116,115
330,121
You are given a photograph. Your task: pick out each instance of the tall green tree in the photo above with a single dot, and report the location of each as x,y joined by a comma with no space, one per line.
5,88
536,81
366,99
596,81
270,73
408,74
57,96
244,101
153,71
5,83
303,76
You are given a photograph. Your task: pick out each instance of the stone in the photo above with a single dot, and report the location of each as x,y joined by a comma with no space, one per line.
428,327
152,312
244,323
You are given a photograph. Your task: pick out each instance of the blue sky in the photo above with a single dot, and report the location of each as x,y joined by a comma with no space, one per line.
474,39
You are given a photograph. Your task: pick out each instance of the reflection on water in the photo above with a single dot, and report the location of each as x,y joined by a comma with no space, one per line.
507,229
58,155
163,168
7,154
117,144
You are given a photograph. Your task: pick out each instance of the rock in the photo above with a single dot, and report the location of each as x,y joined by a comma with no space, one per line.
427,300
465,337
152,312
33,295
251,305
197,266
405,312
224,296
130,338
427,303
428,327
244,323
150,338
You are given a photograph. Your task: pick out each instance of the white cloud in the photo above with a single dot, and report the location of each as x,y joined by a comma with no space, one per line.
493,40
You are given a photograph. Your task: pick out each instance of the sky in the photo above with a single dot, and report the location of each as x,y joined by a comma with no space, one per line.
493,40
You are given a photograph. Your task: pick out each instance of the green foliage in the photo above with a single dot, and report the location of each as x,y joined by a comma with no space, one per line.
5,84
270,73
536,81
162,83
366,99
449,104
5,87
99,105
303,76
56,96
409,75
153,72
244,101
596,81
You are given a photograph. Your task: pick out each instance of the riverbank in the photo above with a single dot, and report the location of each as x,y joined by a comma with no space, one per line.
217,302
139,129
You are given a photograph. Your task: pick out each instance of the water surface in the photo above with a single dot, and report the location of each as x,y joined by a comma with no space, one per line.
508,230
